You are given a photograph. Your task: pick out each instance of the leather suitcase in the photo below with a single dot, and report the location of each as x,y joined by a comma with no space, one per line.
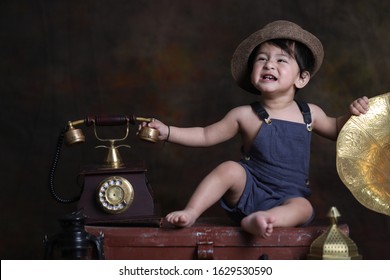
206,240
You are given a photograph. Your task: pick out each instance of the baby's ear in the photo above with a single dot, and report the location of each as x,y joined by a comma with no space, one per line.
302,80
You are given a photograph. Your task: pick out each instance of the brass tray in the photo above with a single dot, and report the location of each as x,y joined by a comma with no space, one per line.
363,155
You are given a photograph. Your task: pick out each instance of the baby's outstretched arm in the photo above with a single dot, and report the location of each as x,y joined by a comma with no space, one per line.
215,133
188,136
330,127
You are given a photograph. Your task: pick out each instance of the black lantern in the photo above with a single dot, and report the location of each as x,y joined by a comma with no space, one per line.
74,242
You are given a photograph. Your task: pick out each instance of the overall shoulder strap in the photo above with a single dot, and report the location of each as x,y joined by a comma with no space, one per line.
261,112
306,113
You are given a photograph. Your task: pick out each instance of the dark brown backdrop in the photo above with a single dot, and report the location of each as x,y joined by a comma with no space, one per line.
61,60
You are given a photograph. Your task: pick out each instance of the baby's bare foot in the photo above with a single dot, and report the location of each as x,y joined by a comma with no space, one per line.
183,218
258,223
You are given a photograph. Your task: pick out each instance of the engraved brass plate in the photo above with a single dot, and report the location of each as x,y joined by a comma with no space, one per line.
363,155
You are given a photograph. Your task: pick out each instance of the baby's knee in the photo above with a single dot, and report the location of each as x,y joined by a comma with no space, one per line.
300,202
231,168
303,207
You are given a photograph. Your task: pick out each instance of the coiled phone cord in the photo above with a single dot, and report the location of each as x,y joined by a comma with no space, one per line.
53,169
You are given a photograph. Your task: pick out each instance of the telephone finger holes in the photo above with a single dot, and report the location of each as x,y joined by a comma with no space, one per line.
115,194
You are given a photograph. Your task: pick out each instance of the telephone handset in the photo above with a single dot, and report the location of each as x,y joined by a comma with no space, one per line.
115,191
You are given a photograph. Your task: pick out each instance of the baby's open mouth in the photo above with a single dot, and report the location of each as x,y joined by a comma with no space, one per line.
269,77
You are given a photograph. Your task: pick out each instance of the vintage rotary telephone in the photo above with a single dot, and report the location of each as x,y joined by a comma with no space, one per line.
114,192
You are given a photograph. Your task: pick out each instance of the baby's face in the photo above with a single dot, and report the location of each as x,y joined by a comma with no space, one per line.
274,69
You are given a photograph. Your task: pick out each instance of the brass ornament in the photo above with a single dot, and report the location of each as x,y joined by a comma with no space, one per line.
363,155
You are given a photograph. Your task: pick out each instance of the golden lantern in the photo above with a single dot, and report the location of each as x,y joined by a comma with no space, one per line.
333,244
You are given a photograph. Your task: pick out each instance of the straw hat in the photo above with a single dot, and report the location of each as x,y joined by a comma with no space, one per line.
280,29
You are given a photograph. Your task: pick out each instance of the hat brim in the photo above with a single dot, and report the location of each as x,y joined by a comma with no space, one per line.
275,30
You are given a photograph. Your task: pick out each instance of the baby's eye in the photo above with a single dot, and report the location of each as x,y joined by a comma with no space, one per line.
261,58
282,60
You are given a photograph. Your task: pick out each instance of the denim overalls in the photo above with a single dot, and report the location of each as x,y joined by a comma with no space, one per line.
277,164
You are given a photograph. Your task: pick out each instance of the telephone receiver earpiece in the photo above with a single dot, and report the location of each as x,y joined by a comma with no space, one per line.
149,134
146,133
73,135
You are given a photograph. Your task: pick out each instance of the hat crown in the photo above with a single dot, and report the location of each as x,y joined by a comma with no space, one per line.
281,24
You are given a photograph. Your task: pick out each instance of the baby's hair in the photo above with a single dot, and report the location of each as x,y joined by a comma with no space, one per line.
299,51
295,49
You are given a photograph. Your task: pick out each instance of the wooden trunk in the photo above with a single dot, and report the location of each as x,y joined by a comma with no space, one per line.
206,240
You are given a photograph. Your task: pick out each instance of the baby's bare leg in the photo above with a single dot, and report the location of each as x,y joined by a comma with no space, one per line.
293,212
227,180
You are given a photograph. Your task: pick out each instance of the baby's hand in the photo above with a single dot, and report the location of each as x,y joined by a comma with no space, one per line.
359,106
161,127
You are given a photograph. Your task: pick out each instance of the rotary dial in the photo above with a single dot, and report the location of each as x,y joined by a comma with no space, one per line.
115,194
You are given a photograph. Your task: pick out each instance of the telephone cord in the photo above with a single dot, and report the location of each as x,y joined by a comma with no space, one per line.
53,169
